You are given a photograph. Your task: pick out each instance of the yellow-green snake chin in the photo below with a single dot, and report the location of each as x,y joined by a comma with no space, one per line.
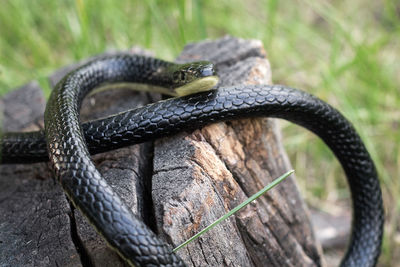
200,85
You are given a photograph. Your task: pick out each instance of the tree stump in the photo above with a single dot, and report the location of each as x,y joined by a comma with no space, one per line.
177,184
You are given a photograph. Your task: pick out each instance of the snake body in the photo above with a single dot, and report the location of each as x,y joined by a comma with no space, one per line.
69,145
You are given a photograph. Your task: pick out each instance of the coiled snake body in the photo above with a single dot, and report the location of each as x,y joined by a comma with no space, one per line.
69,144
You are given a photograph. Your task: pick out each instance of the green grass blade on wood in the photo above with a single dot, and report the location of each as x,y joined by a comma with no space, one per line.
236,209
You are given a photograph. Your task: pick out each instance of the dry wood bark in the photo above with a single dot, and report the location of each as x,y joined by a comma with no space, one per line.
177,184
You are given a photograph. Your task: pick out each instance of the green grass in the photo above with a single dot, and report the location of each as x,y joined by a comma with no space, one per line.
345,52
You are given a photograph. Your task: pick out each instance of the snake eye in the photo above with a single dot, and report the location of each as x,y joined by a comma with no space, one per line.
179,76
182,75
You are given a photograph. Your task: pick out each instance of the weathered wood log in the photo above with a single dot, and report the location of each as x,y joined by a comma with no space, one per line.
35,225
177,184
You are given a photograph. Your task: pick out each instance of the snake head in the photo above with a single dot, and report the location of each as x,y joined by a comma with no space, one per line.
193,77
187,73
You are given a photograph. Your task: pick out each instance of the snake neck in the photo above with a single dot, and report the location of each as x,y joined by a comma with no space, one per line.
110,70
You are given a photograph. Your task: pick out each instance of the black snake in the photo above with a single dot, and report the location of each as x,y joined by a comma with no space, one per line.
69,144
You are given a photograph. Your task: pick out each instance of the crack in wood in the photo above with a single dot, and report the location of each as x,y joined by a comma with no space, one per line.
84,256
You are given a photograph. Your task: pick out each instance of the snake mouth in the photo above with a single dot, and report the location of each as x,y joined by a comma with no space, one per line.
200,85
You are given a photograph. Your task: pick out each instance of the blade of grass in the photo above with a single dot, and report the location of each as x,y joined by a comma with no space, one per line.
198,10
181,18
160,19
236,209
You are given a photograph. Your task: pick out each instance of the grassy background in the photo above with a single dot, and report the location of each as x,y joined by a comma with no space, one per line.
345,52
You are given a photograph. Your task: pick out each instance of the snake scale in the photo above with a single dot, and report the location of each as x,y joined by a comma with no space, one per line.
68,145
